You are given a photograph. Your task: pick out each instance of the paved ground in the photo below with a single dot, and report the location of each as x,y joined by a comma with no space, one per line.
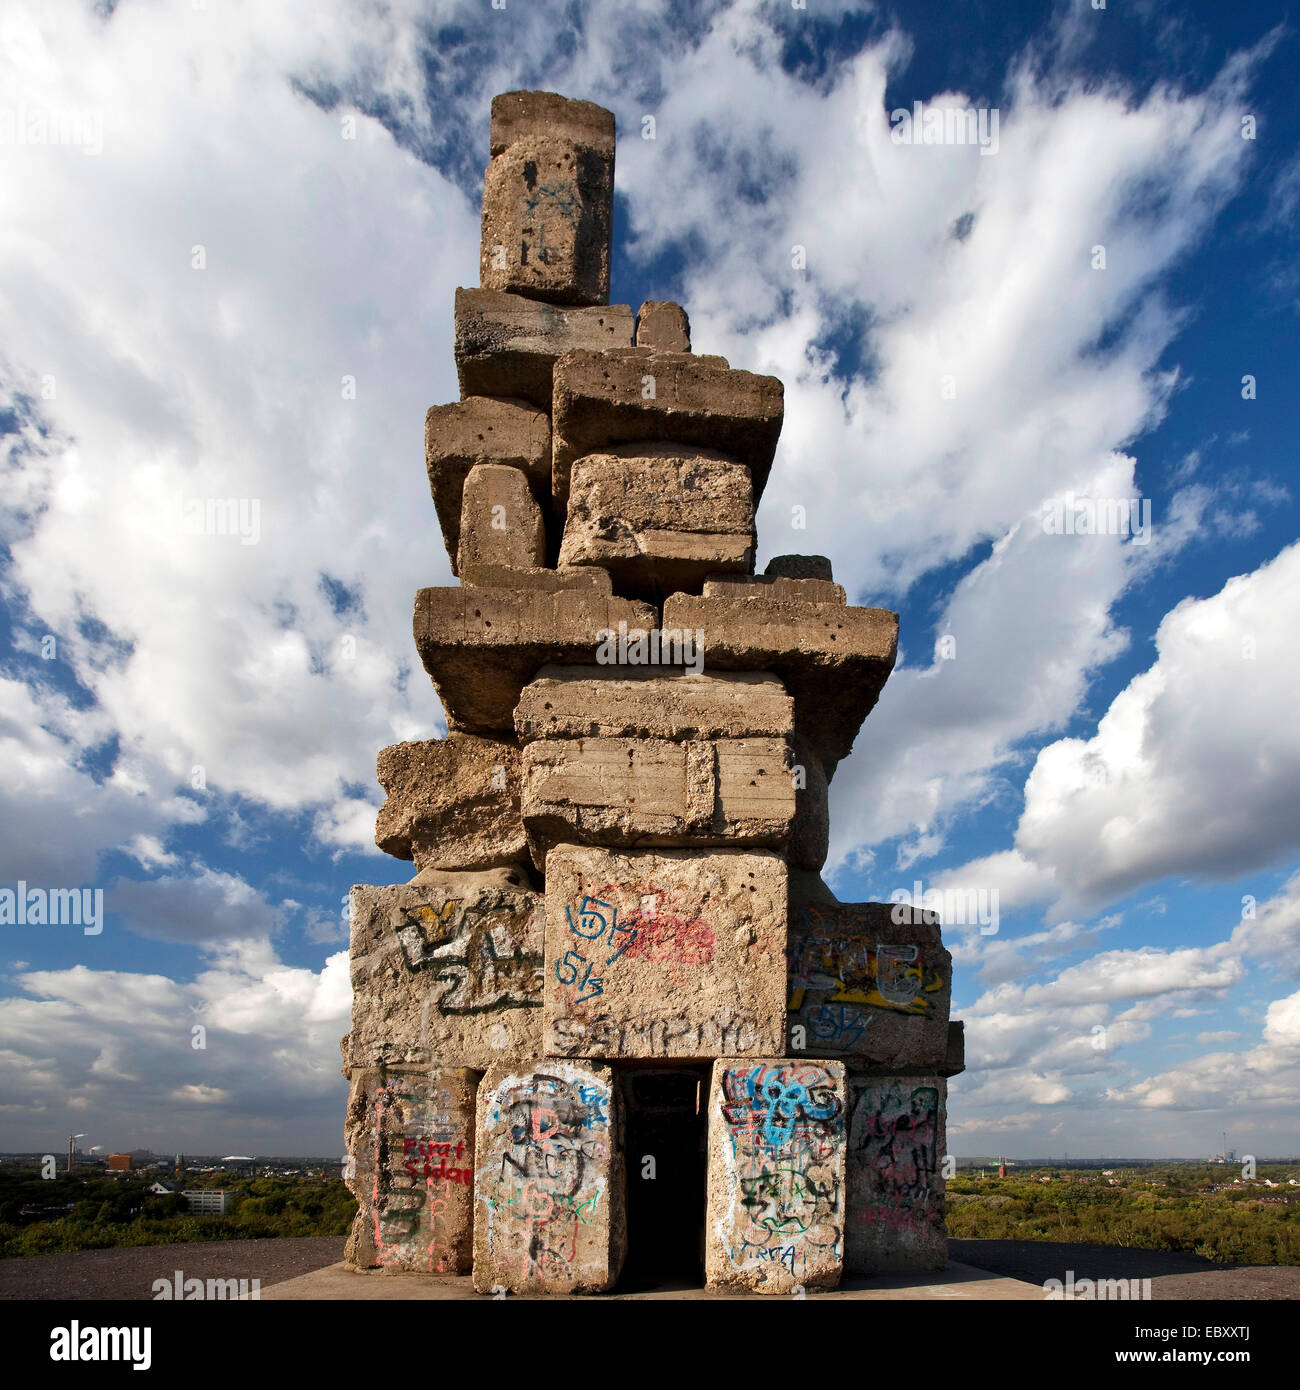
958,1281
130,1273
1172,1276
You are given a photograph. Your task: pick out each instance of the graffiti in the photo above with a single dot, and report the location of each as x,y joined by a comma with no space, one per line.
649,931
480,953
426,1151
894,1148
856,971
595,920
727,1034
784,1136
420,1157
789,1101
835,1025
549,1181
663,936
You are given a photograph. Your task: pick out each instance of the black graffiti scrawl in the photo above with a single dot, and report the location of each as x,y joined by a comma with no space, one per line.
478,951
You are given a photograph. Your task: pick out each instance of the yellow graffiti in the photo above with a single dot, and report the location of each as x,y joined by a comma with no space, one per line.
850,970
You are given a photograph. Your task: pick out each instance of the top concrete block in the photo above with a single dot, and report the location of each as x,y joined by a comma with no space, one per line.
507,345
632,395
833,659
548,198
520,116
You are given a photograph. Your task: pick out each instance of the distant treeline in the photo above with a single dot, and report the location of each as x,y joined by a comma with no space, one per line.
1191,1208
109,1212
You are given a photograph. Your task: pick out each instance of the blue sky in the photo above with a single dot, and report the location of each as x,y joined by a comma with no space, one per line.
1100,757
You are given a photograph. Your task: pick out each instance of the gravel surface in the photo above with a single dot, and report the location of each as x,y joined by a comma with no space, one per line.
129,1274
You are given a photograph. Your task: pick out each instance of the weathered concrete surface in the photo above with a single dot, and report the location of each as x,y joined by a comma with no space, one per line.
773,587
548,198
895,1174
659,517
518,117
453,803
500,523
446,971
478,430
776,1186
410,1139
624,702
810,832
546,581
549,1194
799,567
507,345
834,660
481,646
619,791
663,325
663,953
628,396
865,986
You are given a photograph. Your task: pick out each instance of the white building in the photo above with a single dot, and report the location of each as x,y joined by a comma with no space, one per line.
206,1201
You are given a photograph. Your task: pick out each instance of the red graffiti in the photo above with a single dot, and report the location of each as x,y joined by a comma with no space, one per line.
661,935
428,1151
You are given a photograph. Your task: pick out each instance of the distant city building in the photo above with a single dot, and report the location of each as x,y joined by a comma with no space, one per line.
207,1202
164,1189
119,1163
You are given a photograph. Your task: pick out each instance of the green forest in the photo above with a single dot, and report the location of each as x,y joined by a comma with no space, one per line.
107,1212
1184,1207
1192,1208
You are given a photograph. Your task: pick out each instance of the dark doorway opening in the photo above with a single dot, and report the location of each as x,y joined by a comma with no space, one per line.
666,1119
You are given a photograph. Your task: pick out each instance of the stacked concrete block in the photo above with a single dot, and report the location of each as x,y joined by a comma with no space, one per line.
475,431
508,346
659,517
672,953
662,324
637,395
411,1140
896,1146
447,970
453,803
616,932
549,1193
868,981
777,1175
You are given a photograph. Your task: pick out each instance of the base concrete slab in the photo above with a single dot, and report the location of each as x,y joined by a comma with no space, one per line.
338,1283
